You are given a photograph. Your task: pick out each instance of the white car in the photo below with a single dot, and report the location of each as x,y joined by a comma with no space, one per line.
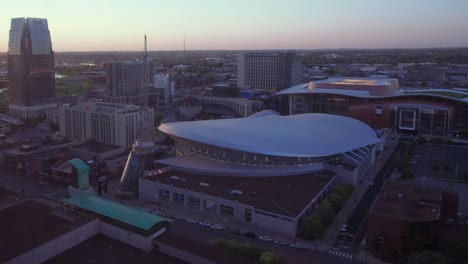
205,224
344,230
192,221
265,238
297,246
217,227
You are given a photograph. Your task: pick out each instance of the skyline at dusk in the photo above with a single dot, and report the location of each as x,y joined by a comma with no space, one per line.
227,25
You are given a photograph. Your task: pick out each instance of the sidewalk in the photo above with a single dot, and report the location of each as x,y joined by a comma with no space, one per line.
343,215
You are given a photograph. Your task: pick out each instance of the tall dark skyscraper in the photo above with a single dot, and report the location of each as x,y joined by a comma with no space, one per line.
30,68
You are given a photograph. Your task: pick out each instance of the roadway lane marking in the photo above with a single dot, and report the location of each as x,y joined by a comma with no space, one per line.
330,251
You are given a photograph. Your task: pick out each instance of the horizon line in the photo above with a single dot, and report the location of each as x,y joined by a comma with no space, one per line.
280,49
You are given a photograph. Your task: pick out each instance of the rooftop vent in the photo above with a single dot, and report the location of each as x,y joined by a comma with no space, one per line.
400,195
175,178
204,184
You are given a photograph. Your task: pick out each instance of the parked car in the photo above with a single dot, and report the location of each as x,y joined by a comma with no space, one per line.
250,235
217,227
205,224
344,229
371,183
156,212
281,243
192,221
265,238
297,246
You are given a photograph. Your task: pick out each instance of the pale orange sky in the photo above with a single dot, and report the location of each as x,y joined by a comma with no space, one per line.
88,25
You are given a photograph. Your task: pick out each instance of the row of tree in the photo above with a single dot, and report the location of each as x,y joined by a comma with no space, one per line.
315,224
248,250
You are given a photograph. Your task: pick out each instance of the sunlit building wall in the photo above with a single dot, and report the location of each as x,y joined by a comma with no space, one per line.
115,124
273,71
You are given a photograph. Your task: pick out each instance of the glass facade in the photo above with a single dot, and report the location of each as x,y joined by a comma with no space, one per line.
30,63
140,158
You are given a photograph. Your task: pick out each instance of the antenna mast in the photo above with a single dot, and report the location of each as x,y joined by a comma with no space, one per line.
145,131
145,76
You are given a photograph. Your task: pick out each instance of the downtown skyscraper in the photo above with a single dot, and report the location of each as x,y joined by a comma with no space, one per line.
125,81
272,71
30,68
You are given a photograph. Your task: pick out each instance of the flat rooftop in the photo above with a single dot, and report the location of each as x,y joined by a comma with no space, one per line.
208,252
401,201
29,224
96,147
101,249
284,195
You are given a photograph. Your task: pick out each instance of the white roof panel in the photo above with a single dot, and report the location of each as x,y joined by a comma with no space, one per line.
303,135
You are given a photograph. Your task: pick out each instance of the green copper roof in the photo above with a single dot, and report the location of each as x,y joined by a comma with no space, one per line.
117,211
79,165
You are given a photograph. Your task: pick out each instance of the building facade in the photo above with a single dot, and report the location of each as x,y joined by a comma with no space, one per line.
163,82
379,102
125,81
110,123
272,71
407,218
30,68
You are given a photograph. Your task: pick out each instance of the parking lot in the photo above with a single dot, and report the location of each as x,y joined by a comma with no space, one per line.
440,161
425,159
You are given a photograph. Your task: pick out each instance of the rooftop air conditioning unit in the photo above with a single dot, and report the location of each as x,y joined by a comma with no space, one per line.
175,178
204,184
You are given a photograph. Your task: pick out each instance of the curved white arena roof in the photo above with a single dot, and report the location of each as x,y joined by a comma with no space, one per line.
303,135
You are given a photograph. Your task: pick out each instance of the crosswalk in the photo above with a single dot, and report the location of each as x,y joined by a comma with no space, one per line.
340,254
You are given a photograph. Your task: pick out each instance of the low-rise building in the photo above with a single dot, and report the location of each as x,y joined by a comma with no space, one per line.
406,218
109,123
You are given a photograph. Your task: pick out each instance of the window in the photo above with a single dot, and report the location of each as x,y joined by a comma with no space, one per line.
226,210
248,215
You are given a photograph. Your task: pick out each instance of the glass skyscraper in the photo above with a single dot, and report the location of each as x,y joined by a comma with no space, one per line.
30,68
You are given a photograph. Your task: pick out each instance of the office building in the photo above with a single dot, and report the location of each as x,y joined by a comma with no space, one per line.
110,123
125,81
163,82
273,71
30,68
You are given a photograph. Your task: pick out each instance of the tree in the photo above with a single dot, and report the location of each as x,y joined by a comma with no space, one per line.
157,118
336,201
270,257
312,227
219,243
454,248
54,127
325,213
430,257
